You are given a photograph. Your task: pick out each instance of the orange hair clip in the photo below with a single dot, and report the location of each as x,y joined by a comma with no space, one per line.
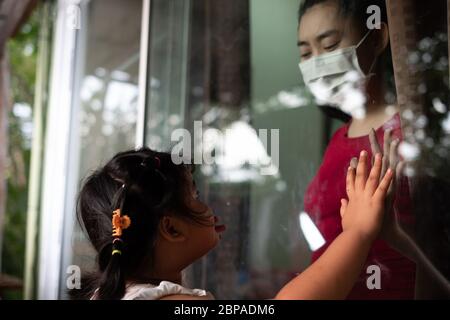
119,223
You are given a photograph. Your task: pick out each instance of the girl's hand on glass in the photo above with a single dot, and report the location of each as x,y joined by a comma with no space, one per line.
363,211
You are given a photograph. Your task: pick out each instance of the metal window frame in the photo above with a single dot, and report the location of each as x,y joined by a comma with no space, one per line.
56,156
144,64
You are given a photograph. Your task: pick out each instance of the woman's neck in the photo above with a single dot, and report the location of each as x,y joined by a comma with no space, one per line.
375,95
377,112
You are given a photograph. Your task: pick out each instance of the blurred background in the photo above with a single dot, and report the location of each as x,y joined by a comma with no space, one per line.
81,80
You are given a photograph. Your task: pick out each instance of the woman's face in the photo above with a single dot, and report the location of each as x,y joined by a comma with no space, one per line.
324,29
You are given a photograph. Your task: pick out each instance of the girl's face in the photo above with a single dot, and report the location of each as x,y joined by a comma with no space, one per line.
204,236
324,29
181,239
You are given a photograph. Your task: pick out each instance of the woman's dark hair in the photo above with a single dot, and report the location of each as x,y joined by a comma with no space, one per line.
145,185
357,10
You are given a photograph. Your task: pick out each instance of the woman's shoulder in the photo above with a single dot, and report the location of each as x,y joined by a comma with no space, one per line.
393,123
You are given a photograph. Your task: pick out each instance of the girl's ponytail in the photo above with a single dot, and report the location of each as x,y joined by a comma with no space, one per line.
112,280
111,285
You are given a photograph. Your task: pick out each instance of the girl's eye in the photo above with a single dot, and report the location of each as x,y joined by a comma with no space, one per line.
197,194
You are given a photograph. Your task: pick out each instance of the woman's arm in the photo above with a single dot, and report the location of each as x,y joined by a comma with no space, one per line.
333,275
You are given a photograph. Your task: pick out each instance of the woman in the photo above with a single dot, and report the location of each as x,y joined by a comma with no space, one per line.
341,63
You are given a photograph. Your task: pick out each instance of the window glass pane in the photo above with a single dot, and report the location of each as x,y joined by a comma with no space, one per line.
228,72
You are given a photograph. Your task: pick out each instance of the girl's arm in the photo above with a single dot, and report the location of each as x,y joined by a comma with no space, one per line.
333,275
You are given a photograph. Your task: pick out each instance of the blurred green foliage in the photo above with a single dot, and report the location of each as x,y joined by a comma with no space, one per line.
22,54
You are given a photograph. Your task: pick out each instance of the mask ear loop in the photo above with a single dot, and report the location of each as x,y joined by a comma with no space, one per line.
364,38
370,73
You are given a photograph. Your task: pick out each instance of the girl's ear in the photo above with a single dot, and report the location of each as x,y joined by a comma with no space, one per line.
382,39
173,229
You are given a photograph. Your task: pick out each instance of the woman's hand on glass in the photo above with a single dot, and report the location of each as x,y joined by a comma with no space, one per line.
391,230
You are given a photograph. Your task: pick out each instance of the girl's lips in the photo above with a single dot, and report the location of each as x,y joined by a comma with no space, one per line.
219,228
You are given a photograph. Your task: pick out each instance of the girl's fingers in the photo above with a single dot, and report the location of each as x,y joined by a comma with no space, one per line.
383,187
374,176
344,204
350,182
361,171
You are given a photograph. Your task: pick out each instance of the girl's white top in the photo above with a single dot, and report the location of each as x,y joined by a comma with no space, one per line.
165,288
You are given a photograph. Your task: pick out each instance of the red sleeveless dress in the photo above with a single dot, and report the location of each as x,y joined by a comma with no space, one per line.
322,203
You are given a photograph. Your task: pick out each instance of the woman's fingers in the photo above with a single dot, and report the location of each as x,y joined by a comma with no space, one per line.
393,162
383,187
386,150
350,182
399,169
361,171
374,145
354,162
374,176
393,154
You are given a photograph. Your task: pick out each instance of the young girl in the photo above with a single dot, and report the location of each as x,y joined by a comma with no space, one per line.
143,216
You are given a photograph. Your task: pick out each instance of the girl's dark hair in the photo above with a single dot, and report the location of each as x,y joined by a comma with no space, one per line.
357,10
145,185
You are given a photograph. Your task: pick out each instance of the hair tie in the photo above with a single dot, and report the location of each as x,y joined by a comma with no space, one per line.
117,239
119,223
116,251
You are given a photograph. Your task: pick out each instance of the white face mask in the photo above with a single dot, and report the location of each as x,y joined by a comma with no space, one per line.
336,79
